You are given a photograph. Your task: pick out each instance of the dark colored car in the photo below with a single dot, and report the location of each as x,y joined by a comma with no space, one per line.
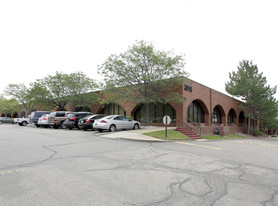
6,120
87,122
34,117
72,119
56,119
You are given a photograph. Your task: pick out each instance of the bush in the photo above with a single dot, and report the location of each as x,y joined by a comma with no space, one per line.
256,132
130,117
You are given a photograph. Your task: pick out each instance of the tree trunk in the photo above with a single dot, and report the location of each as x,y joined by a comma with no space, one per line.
147,114
248,119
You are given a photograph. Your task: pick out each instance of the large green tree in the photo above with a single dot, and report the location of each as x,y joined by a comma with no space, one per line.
19,93
143,74
8,106
73,89
251,86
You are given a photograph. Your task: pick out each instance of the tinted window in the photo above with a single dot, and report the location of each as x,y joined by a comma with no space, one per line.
125,119
60,114
98,117
118,118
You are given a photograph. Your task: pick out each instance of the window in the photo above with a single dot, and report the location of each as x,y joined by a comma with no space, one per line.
195,112
113,109
241,118
231,117
216,116
156,112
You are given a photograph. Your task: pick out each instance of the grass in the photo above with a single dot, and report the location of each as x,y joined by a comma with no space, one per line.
175,135
171,135
231,136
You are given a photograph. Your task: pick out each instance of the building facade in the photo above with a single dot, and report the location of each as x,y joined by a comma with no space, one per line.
203,107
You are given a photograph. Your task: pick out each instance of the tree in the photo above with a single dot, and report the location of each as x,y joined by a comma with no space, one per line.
39,96
251,86
8,106
143,74
19,93
71,89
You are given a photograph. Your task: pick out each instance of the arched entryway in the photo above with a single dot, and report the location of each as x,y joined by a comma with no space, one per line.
217,115
197,112
232,117
156,112
112,109
241,118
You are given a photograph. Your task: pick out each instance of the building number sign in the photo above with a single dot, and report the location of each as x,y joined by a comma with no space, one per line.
187,88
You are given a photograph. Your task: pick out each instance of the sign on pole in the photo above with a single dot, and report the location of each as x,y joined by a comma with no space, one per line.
166,120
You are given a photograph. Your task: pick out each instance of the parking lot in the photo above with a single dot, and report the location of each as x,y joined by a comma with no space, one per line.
46,166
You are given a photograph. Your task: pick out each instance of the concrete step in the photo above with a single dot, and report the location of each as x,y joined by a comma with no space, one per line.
188,132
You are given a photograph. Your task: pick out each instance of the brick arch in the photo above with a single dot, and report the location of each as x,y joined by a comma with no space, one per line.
241,118
232,116
134,109
100,107
204,108
222,114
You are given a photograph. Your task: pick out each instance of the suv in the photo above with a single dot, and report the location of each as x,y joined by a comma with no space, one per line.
88,121
73,118
56,119
34,117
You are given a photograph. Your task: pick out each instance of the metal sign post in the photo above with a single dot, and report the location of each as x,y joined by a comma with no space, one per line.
166,120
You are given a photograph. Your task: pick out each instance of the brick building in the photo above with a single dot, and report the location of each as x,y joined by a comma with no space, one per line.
203,109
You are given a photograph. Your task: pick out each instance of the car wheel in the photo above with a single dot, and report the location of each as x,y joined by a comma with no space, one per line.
20,124
24,123
136,126
37,125
62,126
112,128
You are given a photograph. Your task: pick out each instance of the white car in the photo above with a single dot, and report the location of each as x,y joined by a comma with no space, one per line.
115,122
43,121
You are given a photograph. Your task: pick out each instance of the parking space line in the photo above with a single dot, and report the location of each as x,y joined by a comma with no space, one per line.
198,145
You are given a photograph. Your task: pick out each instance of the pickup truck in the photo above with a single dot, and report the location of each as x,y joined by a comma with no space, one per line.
22,121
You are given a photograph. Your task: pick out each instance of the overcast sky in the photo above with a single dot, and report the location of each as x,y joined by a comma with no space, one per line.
38,38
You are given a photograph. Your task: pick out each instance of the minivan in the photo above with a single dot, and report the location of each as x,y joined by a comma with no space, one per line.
34,117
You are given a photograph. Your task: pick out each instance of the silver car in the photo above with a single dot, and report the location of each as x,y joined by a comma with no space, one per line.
43,121
115,122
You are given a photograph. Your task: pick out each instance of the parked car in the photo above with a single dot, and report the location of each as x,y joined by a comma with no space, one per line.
87,122
57,119
6,120
43,121
73,118
34,117
115,122
22,121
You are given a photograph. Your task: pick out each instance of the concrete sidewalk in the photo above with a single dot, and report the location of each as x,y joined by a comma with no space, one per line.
136,135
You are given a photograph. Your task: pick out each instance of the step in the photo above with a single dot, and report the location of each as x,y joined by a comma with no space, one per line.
188,132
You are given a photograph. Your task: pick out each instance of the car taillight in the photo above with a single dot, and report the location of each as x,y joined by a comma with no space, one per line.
72,118
88,121
103,121
55,119
46,119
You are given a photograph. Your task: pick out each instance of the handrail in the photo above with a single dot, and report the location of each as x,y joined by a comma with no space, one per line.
194,124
